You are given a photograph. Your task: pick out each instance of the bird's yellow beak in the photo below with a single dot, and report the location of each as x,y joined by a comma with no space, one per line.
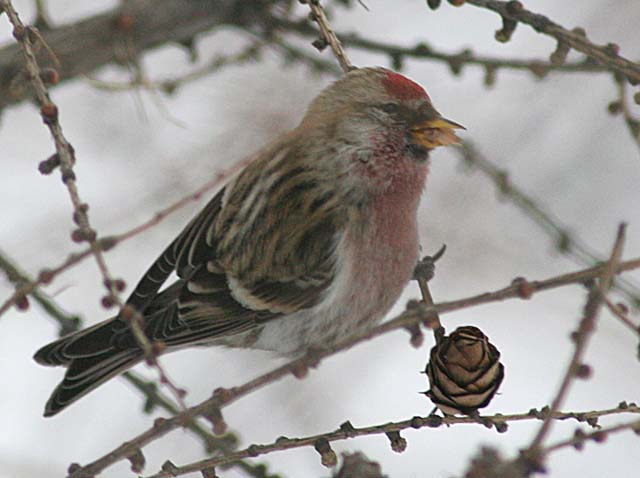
435,132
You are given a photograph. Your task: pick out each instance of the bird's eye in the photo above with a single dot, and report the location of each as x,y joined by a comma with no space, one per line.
389,108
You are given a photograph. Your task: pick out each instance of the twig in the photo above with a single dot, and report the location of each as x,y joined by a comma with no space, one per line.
347,431
170,85
85,232
329,36
598,436
153,397
455,61
581,336
633,123
576,39
565,242
224,397
619,311
106,243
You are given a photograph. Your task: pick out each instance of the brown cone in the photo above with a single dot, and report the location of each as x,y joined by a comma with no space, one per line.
464,372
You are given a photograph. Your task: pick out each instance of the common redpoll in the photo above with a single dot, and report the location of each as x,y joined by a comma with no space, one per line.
313,241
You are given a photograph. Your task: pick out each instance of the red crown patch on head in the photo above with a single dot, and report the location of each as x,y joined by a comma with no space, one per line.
402,87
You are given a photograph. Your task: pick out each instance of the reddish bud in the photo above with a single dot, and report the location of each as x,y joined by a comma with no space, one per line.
584,371
48,165
49,112
524,288
398,444
328,457
50,76
108,301
125,22
22,302
45,276
599,436
514,7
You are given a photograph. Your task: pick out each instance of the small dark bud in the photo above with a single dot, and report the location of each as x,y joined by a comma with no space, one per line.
623,405
584,371
67,175
49,112
397,61
219,426
49,165
22,302
398,443
622,308
83,234
158,422
612,49
19,33
599,436
158,347
501,427
50,76
592,422
347,428
433,421
579,437
508,27
539,70
169,467
299,369
137,461
319,44
433,4
417,337
124,22
490,76
559,56
253,451
328,457
417,422
564,242
45,276
108,301
457,3
524,287
224,395
615,107
514,7
209,472
579,31
73,467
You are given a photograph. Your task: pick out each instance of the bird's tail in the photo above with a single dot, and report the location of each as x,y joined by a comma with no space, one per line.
91,358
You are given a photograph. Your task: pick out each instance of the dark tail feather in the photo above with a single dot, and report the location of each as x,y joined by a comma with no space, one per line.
92,356
85,374
89,342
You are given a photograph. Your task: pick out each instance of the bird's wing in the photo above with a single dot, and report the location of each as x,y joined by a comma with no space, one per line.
263,247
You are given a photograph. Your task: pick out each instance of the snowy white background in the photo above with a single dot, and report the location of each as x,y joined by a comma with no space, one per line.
134,158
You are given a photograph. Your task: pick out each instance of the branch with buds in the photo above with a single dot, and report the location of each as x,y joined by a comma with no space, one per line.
416,314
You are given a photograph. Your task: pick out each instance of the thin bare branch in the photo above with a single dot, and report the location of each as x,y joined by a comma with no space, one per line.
565,241
347,431
577,39
576,368
328,35
224,397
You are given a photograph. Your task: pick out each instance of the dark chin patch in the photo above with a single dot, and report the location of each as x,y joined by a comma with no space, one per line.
419,153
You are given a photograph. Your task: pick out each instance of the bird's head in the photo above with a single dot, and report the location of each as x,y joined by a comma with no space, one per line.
373,102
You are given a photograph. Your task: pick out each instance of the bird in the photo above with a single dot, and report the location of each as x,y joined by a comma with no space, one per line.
311,242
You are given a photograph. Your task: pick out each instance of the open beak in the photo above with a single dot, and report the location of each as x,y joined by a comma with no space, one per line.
435,132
